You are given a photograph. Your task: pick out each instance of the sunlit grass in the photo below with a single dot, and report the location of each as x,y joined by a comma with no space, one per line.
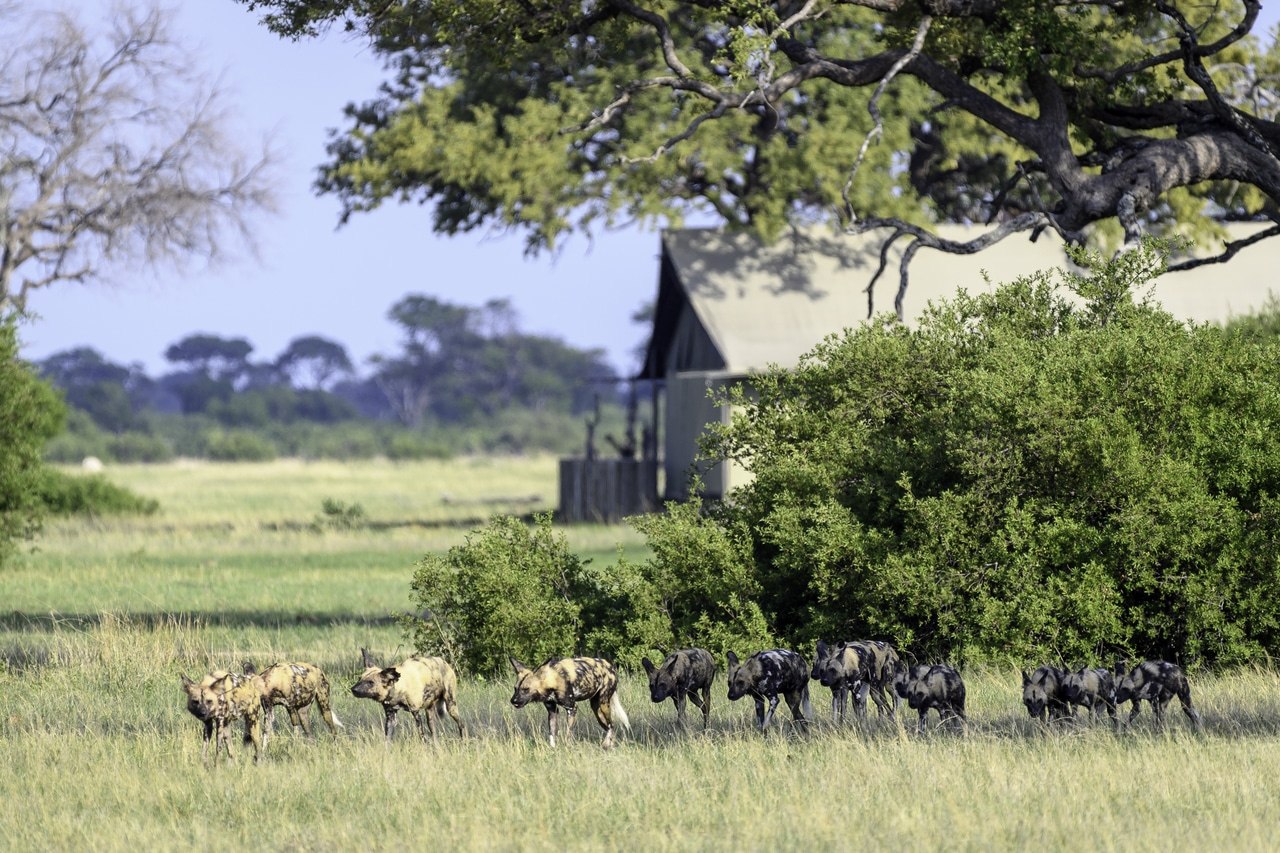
97,750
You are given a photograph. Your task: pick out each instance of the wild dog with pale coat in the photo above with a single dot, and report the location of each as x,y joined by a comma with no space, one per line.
414,685
765,676
879,665
938,686
839,669
1042,692
1158,682
682,674
563,683
219,702
1089,688
295,686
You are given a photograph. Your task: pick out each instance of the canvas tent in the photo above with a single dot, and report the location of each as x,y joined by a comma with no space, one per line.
728,305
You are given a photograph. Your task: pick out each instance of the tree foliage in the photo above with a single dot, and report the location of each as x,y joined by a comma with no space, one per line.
1030,473
114,151
30,414
1116,116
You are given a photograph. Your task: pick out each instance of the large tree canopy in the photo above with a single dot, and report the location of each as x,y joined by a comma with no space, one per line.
553,116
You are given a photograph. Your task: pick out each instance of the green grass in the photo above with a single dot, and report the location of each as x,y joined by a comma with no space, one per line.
97,751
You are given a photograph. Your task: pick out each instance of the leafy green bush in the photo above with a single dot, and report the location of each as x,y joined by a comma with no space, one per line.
90,494
1025,476
337,515
506,591
238,446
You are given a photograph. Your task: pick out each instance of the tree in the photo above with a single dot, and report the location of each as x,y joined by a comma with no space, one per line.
1109,116
314,360
1029,474
114,151
212,355
30,414
102,388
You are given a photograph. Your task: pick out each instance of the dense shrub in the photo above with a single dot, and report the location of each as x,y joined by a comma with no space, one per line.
137,447
90,494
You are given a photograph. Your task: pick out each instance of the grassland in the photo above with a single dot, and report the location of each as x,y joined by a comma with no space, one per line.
97,751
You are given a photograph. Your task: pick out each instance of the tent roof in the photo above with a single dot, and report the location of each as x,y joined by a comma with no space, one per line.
757,304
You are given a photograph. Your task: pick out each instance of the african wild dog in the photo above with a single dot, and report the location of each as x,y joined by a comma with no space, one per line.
202,711
840,668
904,676
767,674
414,685
937,686
1158,682
564,682
1089,688
682,674
295,686
880,664
1042,691
220,699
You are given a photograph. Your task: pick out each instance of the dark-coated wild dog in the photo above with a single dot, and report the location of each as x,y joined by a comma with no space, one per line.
939,687
414,685
563,683
295,686
765,676
1042,692
839,668
1158,682
682,674
1089,688
219,702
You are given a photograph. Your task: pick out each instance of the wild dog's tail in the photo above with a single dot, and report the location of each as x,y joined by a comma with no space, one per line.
336,721
617,712
805,707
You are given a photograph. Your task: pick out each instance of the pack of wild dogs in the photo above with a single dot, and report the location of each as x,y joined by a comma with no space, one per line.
853,671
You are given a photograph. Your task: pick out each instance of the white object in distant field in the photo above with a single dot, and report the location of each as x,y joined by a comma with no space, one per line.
91,463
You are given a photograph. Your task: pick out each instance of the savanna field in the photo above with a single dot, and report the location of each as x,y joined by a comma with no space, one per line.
98,752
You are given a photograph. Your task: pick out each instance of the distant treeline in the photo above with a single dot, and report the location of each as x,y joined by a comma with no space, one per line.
465,379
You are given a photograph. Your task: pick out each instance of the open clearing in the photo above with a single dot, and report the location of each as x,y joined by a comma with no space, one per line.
97,751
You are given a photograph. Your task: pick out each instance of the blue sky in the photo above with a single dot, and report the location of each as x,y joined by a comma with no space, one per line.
316,279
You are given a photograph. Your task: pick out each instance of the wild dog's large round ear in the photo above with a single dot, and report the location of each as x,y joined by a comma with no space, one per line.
822,648
648,665
248,667
186,682
731,658
520,668
367,658
391,674
1025,678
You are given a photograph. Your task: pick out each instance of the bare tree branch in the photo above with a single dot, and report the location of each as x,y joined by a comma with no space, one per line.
114,151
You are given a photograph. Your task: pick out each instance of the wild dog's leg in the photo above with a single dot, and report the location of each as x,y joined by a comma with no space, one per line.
390,725
268,719
604,714
860,691
422,725
553,719
876,691
295,719
773,706
571,717
1137,707
327,713
450,705
706,707
837,703
253,734
222,741
1184,698
1159,705
429,711
924,710
795,701
204,746
679,698
759,711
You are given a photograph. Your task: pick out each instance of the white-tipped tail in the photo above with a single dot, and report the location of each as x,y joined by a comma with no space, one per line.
336,721
616,710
